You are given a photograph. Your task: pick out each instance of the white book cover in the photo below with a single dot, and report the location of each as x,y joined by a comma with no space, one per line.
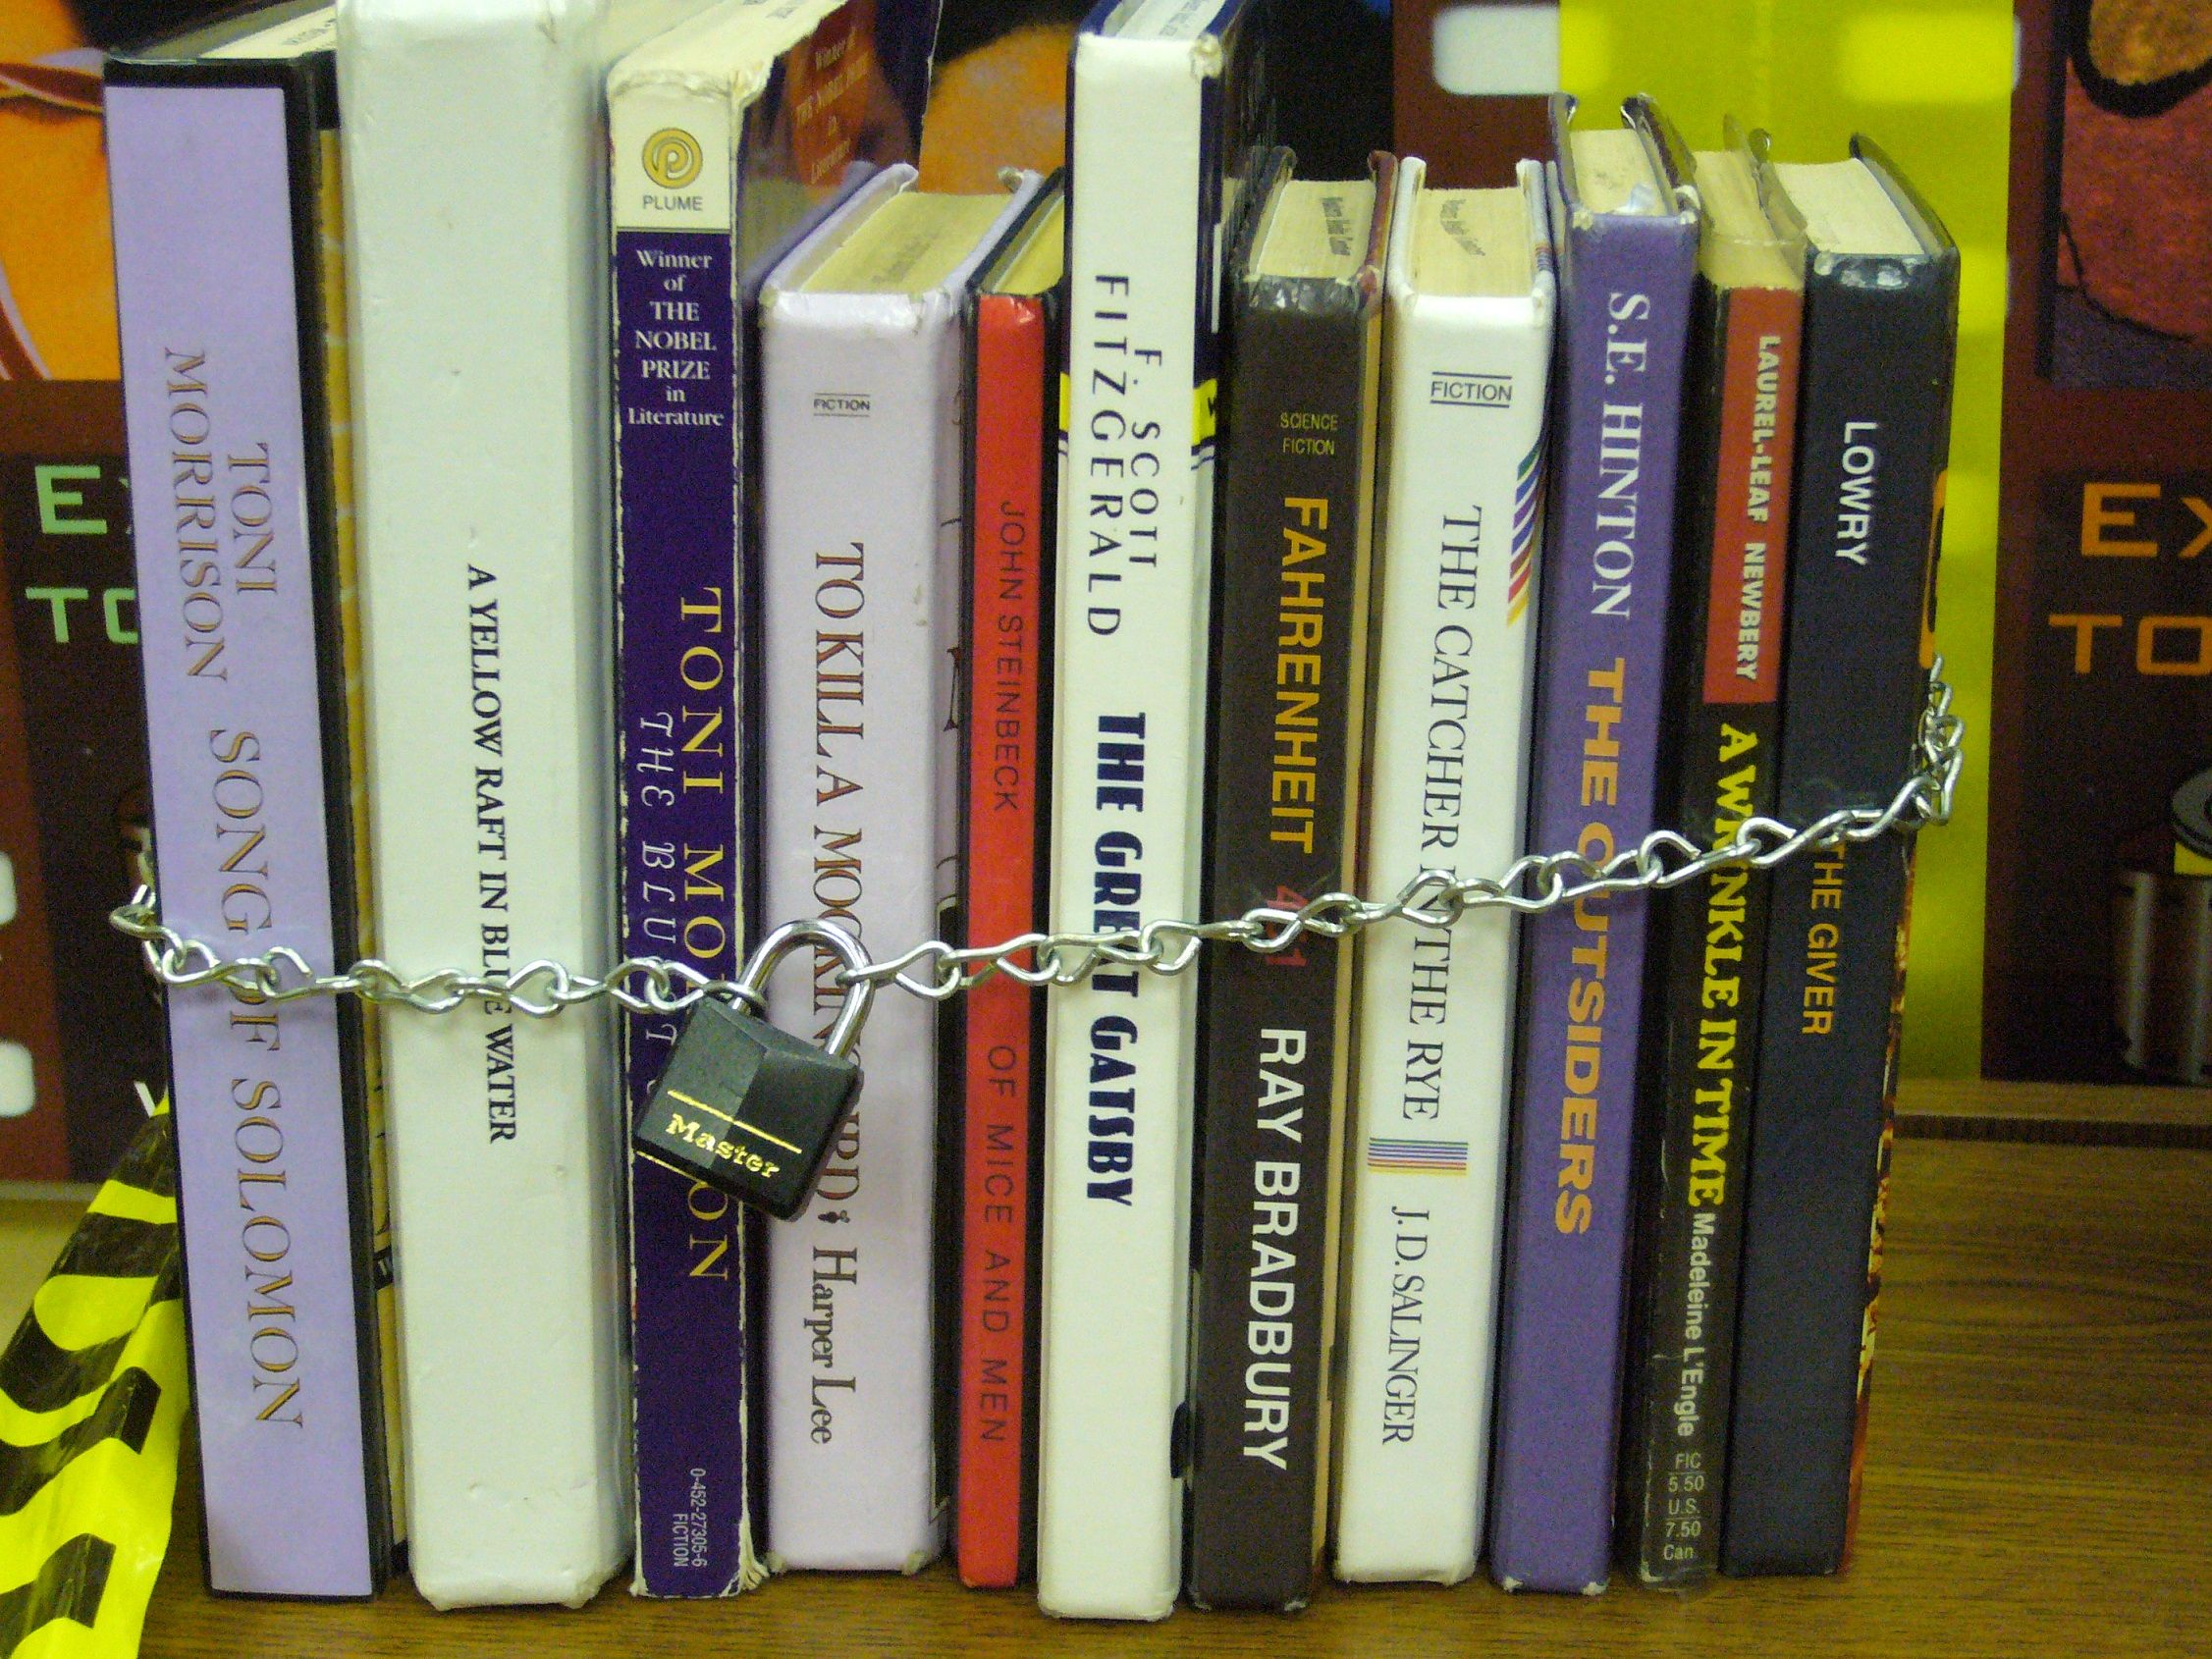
1152,132
860,590
1469,344
475,155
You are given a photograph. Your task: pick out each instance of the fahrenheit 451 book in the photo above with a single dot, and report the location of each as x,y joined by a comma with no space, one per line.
1304,304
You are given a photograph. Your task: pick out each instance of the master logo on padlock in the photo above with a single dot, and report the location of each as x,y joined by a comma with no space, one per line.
750,1110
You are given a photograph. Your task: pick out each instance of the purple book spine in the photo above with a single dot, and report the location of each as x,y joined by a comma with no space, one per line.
212,289
1600,679
678,420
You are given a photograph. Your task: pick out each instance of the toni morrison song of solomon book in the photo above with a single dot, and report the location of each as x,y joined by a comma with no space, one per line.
223,161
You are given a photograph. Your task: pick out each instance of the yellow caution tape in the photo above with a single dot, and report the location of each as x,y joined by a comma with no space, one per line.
92,1398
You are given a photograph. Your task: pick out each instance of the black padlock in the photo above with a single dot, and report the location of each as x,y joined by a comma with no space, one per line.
748,1108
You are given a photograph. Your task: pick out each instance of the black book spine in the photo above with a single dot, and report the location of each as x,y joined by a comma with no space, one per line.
1873,439
1738,430
1287,708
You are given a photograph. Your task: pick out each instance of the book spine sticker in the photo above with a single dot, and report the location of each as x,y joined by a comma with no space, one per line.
1290,624
1713,935
680,754
1128,770
1449,779
210,318
1598,732
859,398
1002,1059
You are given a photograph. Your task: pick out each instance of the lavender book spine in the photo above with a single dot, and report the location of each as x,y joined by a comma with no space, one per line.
1598,727
679,417
246,792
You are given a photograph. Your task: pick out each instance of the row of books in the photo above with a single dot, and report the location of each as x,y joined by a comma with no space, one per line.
917,611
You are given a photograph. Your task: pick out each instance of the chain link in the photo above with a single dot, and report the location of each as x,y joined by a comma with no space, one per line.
1432,899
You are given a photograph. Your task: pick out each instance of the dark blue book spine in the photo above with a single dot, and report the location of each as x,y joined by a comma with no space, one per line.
678,633
1873,433
1600,692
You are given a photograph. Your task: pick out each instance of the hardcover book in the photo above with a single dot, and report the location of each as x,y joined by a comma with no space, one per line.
223,165
1881,299
1626,217
1470,313
1166,104
730,133
2100,742
861,340
1013,392
1303,347
482,425
1738,435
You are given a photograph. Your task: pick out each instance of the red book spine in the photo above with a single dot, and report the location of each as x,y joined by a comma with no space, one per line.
1006,647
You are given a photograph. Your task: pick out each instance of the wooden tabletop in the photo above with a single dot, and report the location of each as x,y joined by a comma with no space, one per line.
2039,1481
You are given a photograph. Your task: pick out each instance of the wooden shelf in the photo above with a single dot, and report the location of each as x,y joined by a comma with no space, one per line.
2040,1480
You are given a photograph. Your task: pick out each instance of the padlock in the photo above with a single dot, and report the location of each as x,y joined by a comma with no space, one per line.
748,1108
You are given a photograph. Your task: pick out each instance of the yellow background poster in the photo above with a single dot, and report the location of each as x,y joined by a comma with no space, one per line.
1932,83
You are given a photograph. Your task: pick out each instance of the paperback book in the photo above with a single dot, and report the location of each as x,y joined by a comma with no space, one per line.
1472,301
862,355
1165,108
731,133
1012,390
223,158
1709,936
1881,286
1627,241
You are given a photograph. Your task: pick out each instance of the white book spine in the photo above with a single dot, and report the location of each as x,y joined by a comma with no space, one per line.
480,307
1134,590
1450,695
862,433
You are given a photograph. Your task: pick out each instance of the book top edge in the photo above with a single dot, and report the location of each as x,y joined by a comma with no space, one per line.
726,51
1161,21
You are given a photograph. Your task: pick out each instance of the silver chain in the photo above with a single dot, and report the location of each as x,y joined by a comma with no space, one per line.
1433,898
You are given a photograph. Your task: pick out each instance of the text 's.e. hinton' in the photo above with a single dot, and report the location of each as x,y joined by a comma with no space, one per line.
1620,460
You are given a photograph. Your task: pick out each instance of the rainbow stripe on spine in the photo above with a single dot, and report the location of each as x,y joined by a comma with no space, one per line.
1528,502
1418,1157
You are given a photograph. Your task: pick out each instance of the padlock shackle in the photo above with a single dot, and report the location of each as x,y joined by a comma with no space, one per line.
860,993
